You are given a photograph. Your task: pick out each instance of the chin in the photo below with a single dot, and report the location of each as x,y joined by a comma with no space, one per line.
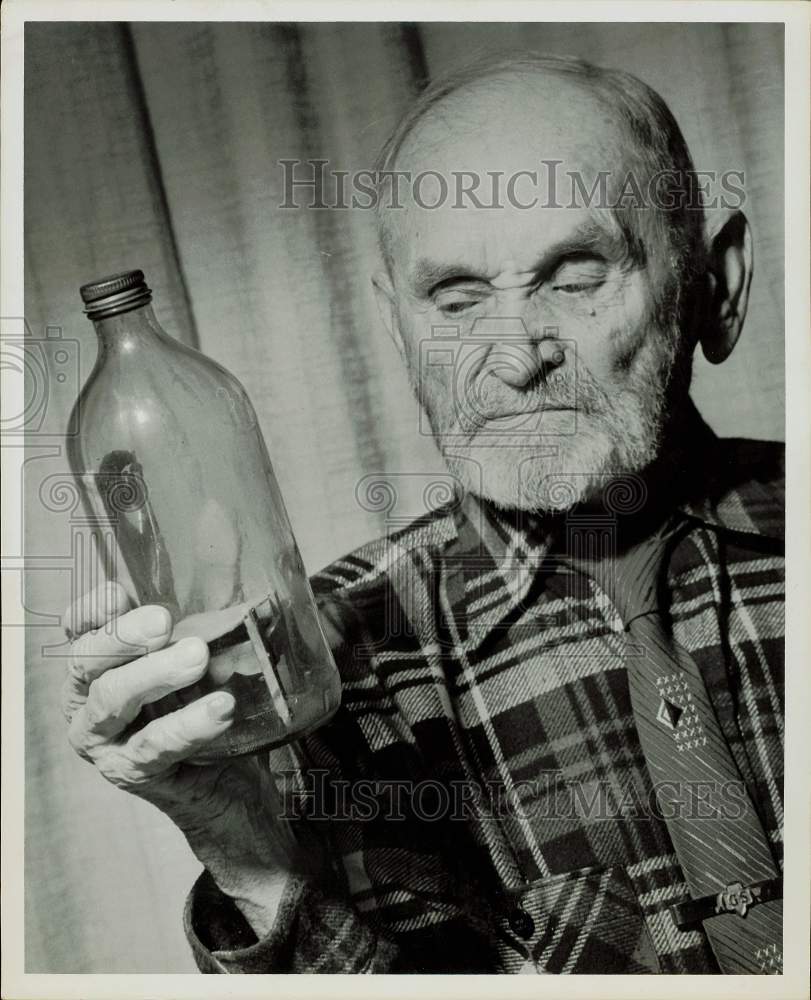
547,477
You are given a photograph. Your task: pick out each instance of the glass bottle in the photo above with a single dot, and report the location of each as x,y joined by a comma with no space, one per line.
169,455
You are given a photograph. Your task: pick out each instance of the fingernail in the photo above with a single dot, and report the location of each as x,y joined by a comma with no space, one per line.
155,621
221,707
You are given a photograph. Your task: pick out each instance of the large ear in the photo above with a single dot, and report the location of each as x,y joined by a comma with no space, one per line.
384,296
729,275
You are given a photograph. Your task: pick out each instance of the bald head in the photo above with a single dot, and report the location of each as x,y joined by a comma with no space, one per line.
507,113
544,115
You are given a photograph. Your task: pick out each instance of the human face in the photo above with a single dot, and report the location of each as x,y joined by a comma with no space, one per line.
534,339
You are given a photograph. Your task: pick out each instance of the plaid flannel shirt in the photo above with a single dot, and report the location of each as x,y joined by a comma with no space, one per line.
484,683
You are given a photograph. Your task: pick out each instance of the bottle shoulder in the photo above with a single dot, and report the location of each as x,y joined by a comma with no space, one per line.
169,392
204,364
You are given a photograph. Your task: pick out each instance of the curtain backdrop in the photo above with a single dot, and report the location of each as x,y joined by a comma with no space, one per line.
157,146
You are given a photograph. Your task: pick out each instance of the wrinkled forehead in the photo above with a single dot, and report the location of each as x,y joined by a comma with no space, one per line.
509,243
501,166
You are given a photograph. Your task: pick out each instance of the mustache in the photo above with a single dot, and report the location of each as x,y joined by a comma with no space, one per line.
488,398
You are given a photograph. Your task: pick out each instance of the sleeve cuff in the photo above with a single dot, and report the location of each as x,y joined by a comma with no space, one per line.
313,933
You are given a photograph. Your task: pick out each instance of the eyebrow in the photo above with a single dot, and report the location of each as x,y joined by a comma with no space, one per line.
429,276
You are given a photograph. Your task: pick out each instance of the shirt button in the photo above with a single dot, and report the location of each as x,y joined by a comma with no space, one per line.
521,923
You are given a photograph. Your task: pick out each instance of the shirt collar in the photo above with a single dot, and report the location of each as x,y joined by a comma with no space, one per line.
738,485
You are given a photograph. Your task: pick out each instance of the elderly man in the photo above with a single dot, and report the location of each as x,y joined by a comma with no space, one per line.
559,747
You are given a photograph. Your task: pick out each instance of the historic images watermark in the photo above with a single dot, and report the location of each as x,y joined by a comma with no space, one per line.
459,358
36,441
33,439
315,184
320,796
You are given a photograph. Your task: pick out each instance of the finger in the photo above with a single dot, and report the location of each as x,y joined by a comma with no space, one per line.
95,607
124,638
117,696
166,742
74,695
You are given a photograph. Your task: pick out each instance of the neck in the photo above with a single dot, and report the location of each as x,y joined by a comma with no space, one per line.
677,475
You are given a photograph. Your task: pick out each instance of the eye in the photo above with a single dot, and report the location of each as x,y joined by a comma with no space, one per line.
454,308
576,277
454,303
573,287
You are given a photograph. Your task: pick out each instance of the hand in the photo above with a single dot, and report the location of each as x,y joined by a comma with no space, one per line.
228,811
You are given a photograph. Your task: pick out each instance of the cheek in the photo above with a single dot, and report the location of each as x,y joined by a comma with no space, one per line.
431,363
611,335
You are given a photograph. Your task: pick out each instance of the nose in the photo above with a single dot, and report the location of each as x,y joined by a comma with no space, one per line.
516,356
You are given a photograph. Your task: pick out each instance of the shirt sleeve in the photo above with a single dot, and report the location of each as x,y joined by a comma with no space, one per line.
315,931
317,928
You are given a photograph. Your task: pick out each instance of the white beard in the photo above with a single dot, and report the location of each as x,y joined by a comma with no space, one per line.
544,471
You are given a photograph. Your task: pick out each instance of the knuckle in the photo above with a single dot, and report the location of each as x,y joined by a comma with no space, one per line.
105,688
111,600
70,701
66,698
74,616
120,771
83,648
116,596
77,668
76,739
161,745
146,747
183,736
103,701
95,607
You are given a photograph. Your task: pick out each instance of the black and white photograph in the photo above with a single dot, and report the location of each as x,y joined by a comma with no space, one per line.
398,471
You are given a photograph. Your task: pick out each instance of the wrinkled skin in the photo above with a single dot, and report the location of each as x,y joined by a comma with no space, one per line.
609,360
227,811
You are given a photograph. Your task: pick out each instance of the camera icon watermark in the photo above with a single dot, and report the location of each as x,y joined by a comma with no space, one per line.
49,365
501,348
96,507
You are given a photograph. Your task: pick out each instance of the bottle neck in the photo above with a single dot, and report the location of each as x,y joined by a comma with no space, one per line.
129,330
